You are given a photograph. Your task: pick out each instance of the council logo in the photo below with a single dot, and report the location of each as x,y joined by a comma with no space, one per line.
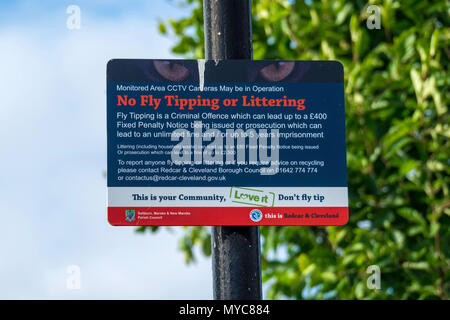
129,215
256,215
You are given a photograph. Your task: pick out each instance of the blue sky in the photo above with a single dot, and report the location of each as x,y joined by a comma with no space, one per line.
53,139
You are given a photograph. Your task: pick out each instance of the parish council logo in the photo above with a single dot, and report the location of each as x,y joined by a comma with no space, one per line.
256,215
129,215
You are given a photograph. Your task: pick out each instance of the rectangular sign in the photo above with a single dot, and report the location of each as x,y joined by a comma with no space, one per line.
235,142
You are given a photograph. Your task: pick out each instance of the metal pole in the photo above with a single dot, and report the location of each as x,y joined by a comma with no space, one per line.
236,259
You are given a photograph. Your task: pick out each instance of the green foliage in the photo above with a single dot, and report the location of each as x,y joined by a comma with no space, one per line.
396,85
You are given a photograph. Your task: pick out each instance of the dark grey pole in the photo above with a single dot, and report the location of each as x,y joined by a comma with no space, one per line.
236,259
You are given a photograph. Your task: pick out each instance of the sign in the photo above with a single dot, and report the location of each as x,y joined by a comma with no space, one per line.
232,142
